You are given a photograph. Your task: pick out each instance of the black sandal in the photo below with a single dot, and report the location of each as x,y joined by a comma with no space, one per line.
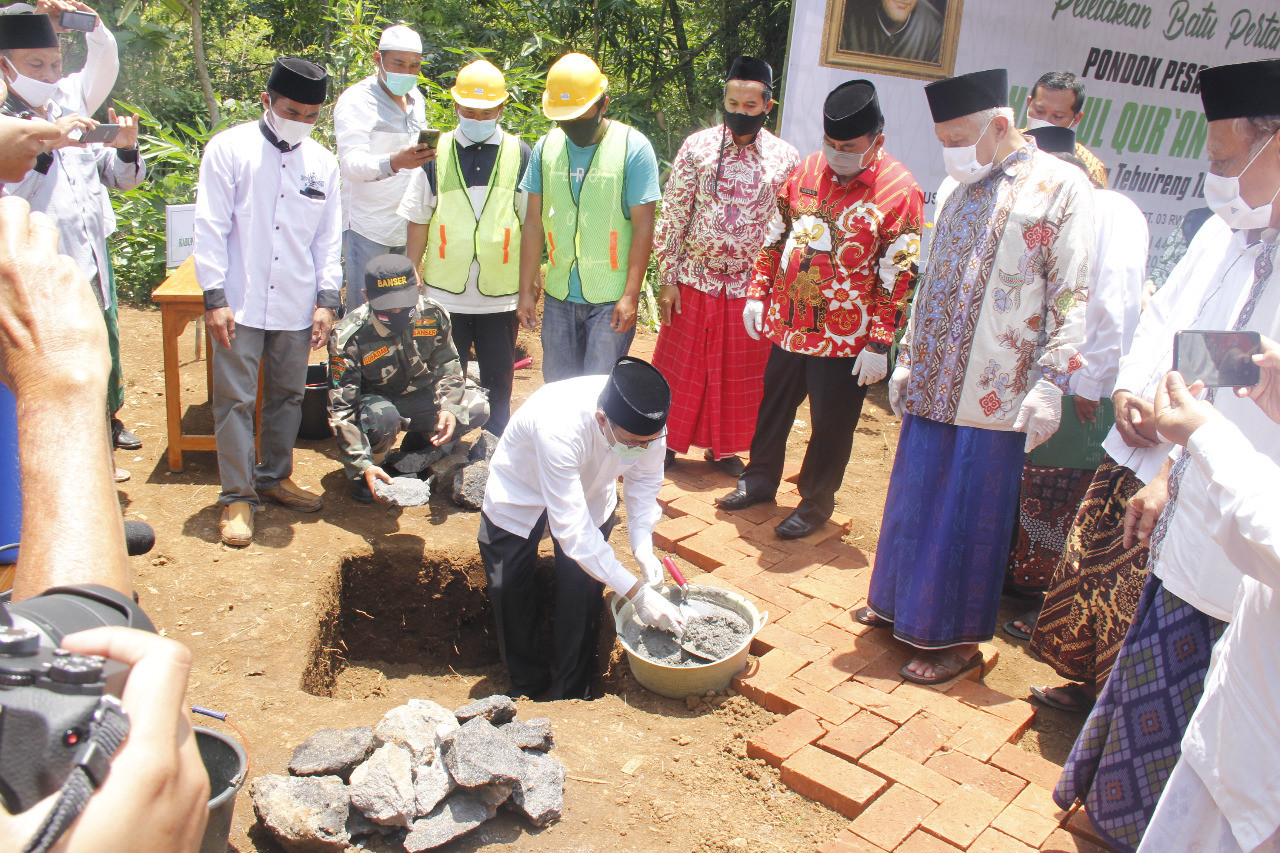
1081,702
1029,618
867,616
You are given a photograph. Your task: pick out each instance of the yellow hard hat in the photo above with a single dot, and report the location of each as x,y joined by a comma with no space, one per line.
574,83
479,86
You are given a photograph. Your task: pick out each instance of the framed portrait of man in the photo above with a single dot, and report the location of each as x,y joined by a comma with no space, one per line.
905,38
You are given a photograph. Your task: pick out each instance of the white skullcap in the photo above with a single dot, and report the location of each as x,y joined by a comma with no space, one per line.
17,9
400,37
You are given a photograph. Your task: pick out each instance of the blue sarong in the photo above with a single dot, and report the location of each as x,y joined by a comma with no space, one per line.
1123,757
946,533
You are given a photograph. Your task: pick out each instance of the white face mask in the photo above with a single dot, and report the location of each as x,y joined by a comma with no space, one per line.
399,84
288,131
1034,123
1223,196
962,163
36,93
844,163
623,451
477,130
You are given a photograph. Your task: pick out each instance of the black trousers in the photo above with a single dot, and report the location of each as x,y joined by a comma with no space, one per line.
494,336
835,402
509,562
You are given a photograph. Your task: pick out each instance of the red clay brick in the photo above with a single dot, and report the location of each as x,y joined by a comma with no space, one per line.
840,665
962,816
994,841
1078,824
849,557
758,514
827,532
993,702
714,579
972,772
877,702
688,504
893,816
1040,800
920,736
883,672
774,636
785,488
847,842
940,705
669,492
809,616
913,774
688,480
721,532
832,781
922,842
738,570
1027,765
763,533
764,672
1062,841
982,738
669,531
828,592
847,579
763,555
763,586
799,560
793,692
1029,827
839,638
786,504
838,517
784,738
705,552
857,736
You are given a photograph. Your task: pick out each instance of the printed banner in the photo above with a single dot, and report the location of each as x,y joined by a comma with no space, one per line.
1139,62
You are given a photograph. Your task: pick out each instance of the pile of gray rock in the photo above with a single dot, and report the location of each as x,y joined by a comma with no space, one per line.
420,778
457,472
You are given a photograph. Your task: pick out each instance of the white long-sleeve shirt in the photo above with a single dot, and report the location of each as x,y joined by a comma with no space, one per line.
369,127
1233,741
87,89
268,228
1117,270
554,458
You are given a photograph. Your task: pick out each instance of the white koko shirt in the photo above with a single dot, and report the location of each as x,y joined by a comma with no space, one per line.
554,458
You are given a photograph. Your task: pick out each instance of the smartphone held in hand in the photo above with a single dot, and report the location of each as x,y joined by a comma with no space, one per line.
1218,359
84,21
429,138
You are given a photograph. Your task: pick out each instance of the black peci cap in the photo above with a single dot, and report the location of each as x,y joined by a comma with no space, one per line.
390,283
1054,139
967,94
636,397
27,32
851,110
299,80
1246,90
750,68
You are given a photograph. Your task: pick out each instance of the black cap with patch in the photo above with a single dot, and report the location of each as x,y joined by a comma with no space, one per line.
851,110
967,94
1246,90
26,31
1054,139
299,80
390,283
636,397
750,68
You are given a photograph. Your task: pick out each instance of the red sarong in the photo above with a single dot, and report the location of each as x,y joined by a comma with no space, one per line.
716,372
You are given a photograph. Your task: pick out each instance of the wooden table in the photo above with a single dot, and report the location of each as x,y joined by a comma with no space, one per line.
181,301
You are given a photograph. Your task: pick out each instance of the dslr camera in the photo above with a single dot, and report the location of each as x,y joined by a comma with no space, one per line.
50,698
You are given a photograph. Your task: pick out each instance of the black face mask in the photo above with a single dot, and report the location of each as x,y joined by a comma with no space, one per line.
741,124
395,321
582,131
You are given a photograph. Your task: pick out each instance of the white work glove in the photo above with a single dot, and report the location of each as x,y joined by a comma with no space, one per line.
651,570
654,610
898,385
753,318
870,367
1040,414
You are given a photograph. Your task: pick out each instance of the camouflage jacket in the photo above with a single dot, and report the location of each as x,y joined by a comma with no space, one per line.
420,359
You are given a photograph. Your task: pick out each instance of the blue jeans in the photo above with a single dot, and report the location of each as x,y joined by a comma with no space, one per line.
357,251
577,339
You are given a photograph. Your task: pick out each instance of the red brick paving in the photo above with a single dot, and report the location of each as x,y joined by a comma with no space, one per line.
915,769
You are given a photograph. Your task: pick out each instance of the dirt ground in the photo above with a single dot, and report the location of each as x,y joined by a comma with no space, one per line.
331,619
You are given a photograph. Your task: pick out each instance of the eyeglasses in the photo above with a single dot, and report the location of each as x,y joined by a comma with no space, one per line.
639,444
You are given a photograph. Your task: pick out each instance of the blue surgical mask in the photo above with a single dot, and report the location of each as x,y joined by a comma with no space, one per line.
623,451
399,84
477,130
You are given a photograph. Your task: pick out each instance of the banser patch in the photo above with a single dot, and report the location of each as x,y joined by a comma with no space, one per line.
376,354
392,283
425,333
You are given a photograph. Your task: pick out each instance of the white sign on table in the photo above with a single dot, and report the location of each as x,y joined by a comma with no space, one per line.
179,233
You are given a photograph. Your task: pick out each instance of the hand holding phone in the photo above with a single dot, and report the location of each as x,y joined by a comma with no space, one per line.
429,138
1218,359
83,21
103,133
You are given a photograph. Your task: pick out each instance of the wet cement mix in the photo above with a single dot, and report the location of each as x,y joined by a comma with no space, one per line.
715,633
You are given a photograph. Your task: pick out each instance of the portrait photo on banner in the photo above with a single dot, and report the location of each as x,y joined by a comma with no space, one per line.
904,38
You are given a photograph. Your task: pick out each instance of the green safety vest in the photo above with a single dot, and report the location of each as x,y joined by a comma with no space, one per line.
456,238
595,233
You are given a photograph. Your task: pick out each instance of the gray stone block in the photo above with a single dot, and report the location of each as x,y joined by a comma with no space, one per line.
413,726
530,734
497,709
415,462
482,448
478,754
305,814
332,752
431,784
445,468
468,485
458,814
539,792
403,491
382,787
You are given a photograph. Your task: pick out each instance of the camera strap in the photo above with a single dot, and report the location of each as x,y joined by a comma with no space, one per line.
107,731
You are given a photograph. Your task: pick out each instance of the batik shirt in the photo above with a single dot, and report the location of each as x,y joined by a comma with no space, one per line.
839,262
362,361
1002,296
716,209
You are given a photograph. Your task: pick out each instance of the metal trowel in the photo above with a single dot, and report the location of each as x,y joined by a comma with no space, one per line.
686,611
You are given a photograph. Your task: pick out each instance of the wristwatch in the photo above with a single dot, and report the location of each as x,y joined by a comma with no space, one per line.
877,347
